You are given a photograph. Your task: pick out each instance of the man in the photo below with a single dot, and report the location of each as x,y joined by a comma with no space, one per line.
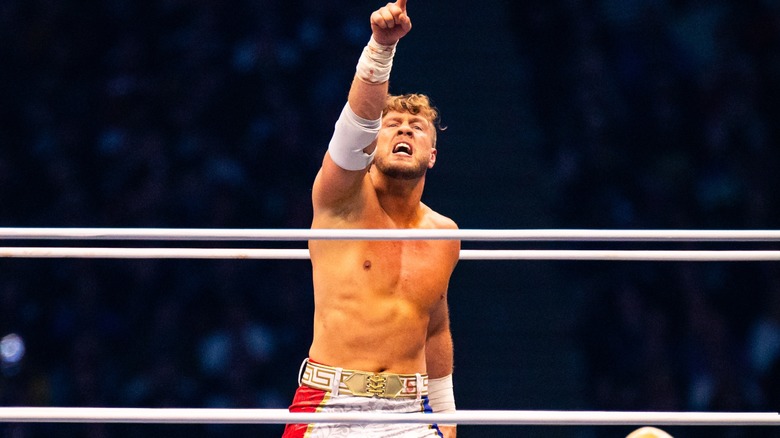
381,324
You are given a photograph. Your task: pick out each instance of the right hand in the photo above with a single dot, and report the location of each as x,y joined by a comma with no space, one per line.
390,23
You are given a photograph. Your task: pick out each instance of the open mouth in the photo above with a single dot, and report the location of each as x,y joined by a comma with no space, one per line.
402,148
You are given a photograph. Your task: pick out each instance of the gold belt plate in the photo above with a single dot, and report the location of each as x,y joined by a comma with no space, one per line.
374,385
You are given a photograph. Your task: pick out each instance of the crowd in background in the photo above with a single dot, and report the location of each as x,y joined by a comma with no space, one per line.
665,115
163,114
654,114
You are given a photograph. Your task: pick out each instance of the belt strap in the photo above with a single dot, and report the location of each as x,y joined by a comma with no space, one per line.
363,383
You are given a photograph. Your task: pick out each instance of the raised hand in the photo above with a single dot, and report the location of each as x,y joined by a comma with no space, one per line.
390,23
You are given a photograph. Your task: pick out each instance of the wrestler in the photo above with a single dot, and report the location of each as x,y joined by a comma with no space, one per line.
381,339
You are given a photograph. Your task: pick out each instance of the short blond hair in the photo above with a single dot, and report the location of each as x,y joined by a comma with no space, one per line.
415,104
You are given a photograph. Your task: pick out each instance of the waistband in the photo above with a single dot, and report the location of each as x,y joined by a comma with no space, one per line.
363,383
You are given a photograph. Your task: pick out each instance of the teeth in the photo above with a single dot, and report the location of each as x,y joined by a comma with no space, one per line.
404,148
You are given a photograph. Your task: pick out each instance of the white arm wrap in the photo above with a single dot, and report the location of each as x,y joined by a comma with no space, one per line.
441,396
375,62
351,135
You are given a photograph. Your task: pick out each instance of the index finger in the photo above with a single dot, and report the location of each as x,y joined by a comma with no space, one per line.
401,4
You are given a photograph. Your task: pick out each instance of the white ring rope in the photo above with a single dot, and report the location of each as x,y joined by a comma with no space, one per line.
282,416
466,254
290,234
200,234
463,417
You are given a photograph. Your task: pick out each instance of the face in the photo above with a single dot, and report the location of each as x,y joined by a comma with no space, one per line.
405,147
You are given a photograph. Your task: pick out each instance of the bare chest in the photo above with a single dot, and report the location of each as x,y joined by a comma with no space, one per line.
407,264
416,270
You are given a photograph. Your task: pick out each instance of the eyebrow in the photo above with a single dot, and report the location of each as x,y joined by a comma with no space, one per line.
412,119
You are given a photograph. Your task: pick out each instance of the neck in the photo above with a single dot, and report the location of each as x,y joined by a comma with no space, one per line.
400,199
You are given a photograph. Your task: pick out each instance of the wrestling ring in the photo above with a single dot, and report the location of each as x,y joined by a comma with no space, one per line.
462,417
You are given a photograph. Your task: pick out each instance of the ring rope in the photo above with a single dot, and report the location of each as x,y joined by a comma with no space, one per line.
291,234
303,254
281,416
463,417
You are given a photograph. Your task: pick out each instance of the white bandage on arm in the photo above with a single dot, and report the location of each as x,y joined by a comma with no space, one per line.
375,62
441,397
351,135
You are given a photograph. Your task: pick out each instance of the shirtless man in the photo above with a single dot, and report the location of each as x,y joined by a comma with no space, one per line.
381,324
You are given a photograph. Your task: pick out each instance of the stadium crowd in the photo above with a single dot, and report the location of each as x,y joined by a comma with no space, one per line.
654,114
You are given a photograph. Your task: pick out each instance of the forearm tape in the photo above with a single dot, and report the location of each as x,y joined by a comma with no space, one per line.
375,62
350,136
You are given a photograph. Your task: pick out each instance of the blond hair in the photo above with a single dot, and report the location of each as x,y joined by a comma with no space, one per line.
415,104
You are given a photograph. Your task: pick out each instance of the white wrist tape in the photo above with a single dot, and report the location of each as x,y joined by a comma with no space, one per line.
351,135
375,62
441,397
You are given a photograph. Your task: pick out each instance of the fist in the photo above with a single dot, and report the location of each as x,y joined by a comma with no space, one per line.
390,23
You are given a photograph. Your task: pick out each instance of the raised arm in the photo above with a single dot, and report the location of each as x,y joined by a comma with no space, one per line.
339,182
369,89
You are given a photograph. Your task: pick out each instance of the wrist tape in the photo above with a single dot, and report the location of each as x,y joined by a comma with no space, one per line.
441,397
351,135
375,62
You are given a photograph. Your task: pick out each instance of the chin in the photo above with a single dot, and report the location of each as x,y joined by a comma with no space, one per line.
405,174
404,171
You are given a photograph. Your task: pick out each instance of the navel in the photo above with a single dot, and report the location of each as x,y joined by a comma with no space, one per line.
367,265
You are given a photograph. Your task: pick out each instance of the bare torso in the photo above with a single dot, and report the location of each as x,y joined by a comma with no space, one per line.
374,299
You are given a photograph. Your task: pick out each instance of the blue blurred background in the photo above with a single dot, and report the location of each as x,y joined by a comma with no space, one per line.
637,114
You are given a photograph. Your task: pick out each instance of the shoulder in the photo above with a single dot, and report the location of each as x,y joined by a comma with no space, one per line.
437,220
450,247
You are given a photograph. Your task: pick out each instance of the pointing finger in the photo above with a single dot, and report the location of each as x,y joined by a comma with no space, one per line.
405,22
393,12
388,18
401,4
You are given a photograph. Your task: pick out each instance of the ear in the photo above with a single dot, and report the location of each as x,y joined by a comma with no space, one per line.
432,159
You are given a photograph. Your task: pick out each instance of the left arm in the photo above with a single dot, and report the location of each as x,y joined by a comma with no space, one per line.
438,346
439,361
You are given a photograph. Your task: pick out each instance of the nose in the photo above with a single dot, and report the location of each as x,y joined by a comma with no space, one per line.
405,129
